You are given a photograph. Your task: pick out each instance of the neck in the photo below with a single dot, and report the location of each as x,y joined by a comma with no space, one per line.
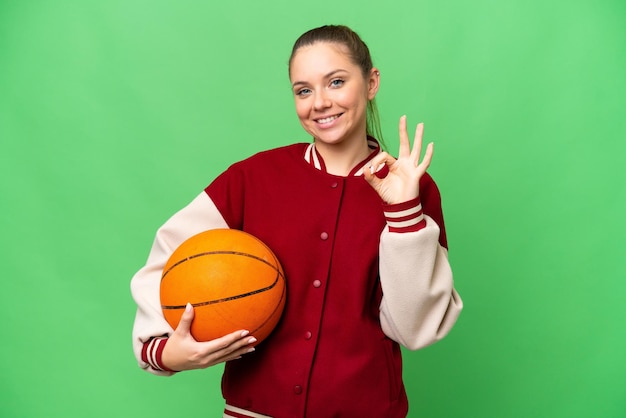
341,158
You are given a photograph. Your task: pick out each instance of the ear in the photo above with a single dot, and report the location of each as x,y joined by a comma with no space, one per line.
373,82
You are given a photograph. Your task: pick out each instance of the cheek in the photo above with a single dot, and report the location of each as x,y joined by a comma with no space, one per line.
302,108
352,99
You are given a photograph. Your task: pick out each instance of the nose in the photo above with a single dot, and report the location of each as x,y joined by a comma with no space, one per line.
321,100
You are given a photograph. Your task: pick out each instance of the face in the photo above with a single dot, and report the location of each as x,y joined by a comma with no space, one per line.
331,93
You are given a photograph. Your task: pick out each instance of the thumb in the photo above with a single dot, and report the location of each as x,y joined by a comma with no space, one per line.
370,176
185,321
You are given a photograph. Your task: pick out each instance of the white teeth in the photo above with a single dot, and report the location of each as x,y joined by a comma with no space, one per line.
328,119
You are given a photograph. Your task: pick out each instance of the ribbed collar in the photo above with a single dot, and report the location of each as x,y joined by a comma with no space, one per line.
313,157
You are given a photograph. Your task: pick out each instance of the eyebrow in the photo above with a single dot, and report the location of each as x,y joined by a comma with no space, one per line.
328,75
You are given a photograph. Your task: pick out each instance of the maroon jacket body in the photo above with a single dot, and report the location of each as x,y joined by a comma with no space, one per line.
328,357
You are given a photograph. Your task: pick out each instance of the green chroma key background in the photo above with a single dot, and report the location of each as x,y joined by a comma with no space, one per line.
115,114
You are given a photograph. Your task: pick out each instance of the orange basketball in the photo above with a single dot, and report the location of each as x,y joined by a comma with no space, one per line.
231,278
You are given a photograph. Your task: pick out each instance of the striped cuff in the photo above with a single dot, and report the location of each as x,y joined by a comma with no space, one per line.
234,412
405,217
152,352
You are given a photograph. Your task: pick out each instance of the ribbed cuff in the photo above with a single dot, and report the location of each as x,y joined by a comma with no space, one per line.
405,217
153,351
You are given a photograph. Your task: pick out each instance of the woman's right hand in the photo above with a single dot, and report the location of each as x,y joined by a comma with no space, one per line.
183,352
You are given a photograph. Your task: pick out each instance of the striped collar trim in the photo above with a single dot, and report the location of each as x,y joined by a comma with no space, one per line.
313,157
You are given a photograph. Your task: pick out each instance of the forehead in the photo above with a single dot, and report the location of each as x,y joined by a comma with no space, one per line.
320,58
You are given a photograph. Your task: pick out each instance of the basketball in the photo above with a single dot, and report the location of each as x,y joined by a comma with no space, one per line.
231,278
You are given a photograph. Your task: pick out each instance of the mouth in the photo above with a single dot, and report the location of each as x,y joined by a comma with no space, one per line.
327,120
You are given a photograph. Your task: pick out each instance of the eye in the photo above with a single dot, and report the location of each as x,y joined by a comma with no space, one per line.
303,92
337,82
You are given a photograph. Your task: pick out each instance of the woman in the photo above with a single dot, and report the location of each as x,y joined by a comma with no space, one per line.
360,236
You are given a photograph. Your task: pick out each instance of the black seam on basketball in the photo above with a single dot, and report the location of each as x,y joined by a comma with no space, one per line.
278,305
243,295
184,260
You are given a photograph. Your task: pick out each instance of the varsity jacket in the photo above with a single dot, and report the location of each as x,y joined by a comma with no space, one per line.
362,277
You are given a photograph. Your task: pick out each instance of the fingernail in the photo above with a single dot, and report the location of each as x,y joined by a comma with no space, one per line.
251,340
243,334
251,349
188,308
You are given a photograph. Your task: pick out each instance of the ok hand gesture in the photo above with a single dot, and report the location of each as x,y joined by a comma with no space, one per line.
402,182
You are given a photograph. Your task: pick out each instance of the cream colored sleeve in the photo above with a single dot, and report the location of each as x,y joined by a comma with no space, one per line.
200,215
420,304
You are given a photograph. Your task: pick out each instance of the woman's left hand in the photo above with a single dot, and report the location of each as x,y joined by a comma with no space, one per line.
402,182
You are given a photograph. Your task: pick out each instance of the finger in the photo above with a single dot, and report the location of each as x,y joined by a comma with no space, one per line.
184,325
405,144
238,353
213,358
235,355
375,164
228,343
428,156
417,144
371,178
379,161
228,347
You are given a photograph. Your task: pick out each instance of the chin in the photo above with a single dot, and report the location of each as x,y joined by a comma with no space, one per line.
330,140
329,136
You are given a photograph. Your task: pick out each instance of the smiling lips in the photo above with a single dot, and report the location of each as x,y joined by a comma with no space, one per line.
327,120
